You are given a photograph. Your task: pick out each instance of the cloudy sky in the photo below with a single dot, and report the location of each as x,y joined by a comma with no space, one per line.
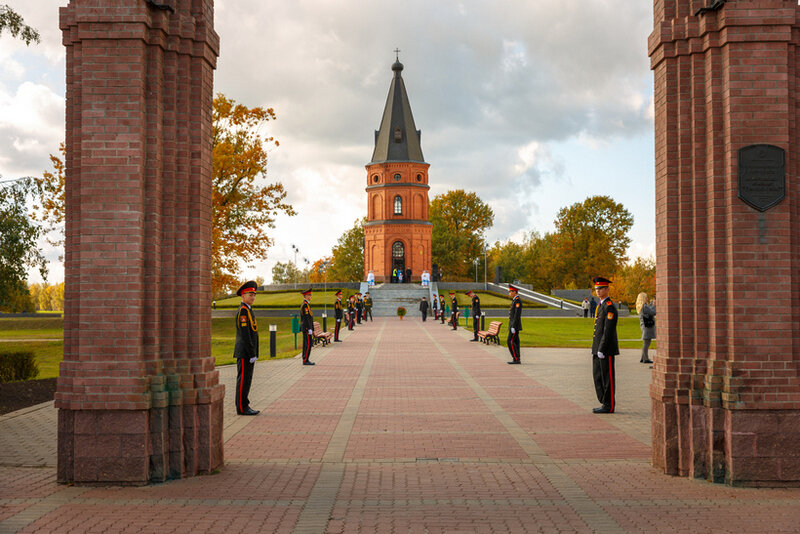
534,105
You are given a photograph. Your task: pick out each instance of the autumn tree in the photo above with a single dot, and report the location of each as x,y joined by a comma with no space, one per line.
49,208
10,20
348,255
286,273
316,273
591,238
244,204
18,241
510,257
634,278
459,221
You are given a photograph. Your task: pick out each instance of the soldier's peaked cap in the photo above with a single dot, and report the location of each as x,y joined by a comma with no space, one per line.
247,287
338,293
469,293
599,281
307,292
512,287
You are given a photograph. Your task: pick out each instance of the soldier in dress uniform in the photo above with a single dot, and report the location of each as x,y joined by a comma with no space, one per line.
307,326
246,348
435,306
514,324
337,313
367,307
351,312
605,347
441,308
476,313
453,311
359,307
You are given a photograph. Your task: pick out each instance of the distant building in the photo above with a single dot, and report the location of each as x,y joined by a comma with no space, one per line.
397,234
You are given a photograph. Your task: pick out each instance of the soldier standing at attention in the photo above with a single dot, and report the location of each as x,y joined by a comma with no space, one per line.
359,307
351,312
337,313
514,324
441,308
367,307
246,348
307,326
605,347
454,311
435,306
476,313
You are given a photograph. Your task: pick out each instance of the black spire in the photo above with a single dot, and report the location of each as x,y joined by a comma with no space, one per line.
398,138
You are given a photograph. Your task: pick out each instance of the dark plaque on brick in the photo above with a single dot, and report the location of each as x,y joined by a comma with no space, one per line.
762,175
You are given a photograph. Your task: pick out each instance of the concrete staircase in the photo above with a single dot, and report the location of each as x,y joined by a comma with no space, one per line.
386,298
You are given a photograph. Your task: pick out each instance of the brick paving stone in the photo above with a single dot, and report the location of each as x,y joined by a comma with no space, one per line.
405,427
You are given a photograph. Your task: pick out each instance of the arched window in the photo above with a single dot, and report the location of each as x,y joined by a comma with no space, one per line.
398,205
398,251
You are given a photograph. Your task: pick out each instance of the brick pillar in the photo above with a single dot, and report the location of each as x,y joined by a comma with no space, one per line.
726,383
139,399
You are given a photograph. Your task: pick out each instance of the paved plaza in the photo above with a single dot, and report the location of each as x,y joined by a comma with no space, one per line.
404,427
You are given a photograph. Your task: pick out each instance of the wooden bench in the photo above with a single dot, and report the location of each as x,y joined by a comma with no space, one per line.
492,334
319,335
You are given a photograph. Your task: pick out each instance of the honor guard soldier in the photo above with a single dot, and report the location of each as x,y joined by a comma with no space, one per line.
246,348
359,307
307,326
351,312
338,313
441,308
514,324
454,311
435,306
367,307
476,314
605,347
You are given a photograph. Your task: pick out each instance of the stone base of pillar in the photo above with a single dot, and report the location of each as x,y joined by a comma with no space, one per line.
137,447
738,447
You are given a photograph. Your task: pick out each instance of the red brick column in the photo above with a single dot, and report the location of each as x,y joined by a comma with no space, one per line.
139,399
726,383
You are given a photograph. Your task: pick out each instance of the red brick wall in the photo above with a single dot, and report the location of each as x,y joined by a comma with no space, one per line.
382,189
137,367
726,383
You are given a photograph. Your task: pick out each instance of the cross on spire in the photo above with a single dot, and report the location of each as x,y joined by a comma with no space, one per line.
397,54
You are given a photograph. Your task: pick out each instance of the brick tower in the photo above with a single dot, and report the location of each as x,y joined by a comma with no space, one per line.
397,233
138,397
726,382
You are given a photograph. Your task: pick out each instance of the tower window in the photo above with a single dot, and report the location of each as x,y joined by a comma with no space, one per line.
375,179
398,205
419,177
398,251
398,135
398,177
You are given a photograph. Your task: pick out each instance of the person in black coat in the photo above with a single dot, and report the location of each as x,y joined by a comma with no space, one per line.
476,314
307,326
338,314
441,308
246,348
454,311
423,307
514,324
605,347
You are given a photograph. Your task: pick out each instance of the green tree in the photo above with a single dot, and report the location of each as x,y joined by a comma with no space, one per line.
348,255
591,239
510,257
10,20
18,241
460,220
286,273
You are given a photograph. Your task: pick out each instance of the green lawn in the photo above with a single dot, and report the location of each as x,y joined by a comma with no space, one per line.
288,299
536,332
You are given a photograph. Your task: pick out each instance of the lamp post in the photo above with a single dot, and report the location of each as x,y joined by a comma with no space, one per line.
475,263
306,262
485,285
296,250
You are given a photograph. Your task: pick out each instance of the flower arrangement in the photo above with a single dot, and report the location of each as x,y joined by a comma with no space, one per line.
401,311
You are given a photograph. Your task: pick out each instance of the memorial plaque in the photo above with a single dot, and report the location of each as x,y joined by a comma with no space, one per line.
762,175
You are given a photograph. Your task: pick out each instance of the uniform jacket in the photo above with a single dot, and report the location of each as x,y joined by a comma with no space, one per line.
337,309
605,329
435,304
515,314
476,306
246,334
454,305
306,317
359,303
648,310
368,302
